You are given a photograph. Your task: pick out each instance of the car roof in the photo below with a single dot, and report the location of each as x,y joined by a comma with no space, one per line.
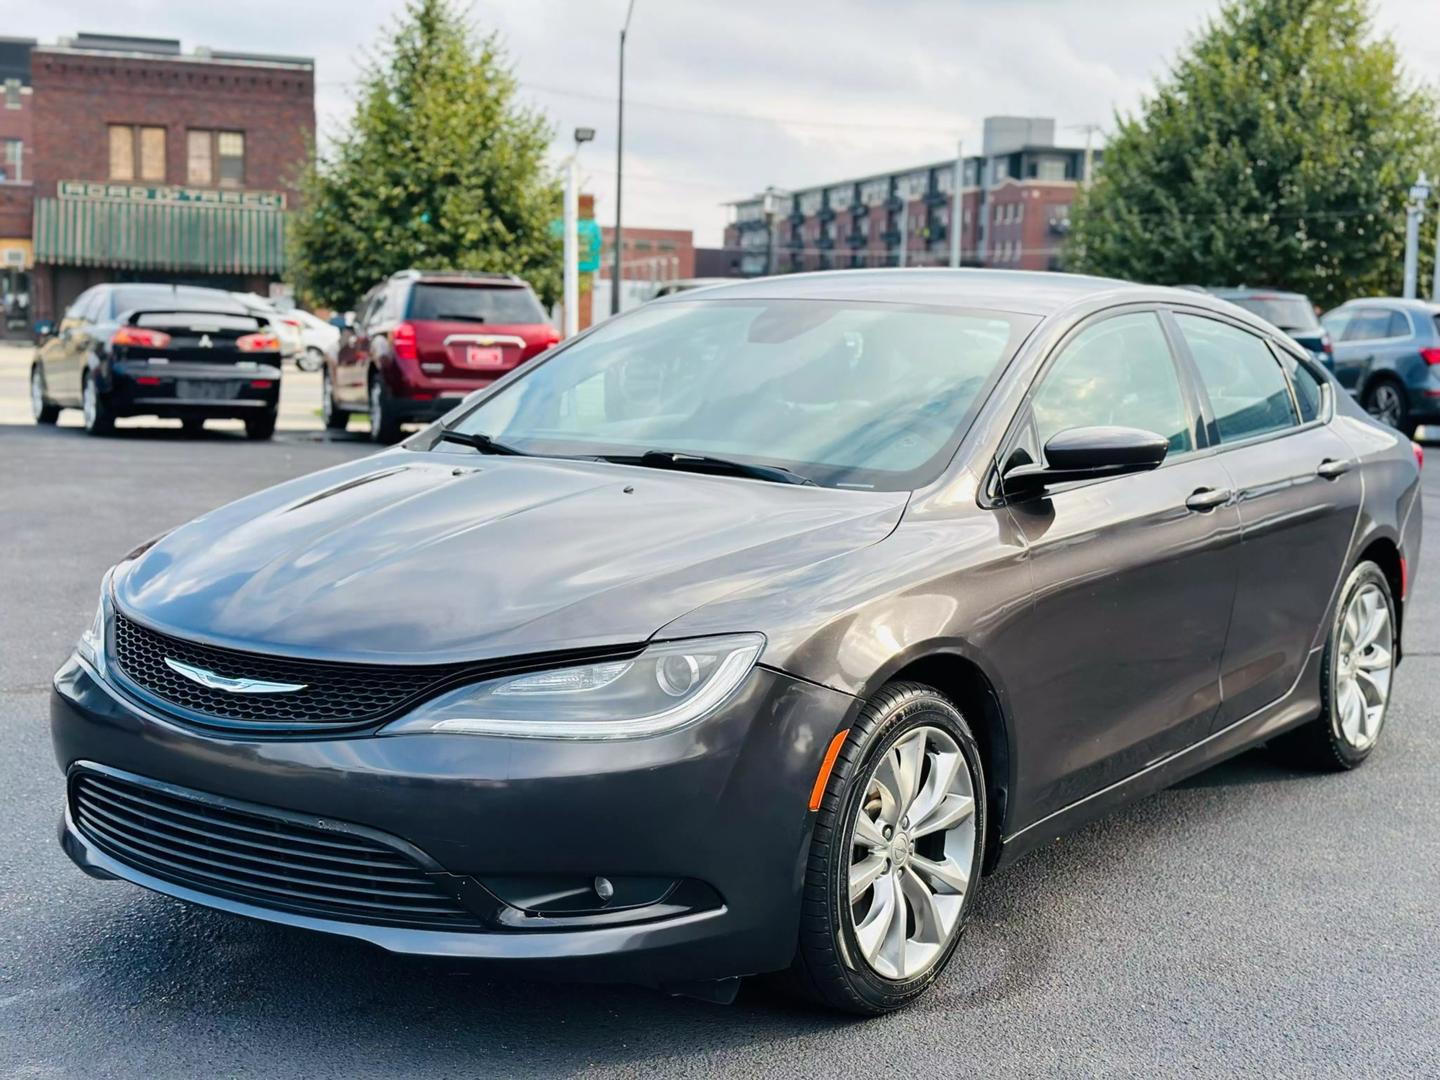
1242,292
1428,307
216,299
1024,292
458,277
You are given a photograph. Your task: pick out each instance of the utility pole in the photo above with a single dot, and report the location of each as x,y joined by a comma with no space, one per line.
1435,282
1088,171
957,204
570,304
619,166
1414,211
767,207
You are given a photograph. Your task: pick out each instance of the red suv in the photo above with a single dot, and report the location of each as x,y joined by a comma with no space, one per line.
423,339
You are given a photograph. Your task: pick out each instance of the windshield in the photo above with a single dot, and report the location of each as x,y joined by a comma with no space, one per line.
474,303
1286,312
843,394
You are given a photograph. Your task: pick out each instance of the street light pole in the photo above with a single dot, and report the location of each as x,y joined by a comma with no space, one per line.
957,203
1414,211
570,302
619,166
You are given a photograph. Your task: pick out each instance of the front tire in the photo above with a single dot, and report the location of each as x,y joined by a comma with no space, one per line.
41,409
99,419
335,417
312,359
896,854
1356,674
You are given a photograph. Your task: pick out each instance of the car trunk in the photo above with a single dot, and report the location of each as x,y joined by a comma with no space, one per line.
197,337
468,350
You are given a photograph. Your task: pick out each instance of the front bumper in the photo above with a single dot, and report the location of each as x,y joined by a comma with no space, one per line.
720,807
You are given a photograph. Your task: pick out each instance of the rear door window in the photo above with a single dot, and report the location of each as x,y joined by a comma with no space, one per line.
446,302
1249,394
1309,392
1399,325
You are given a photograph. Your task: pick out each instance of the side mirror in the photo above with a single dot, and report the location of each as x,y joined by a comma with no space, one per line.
342,322
1089,453
44,328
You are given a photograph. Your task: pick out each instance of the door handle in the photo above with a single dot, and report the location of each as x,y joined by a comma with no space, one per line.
1204,499
1332,468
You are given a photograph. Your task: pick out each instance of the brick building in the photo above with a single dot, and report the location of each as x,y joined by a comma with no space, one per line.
16,190
1015,206
649,254
156,165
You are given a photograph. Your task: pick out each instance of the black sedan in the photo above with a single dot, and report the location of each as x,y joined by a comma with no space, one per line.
750,630
185,353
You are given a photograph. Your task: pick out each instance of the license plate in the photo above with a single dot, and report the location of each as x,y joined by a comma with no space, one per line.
485,357
204,389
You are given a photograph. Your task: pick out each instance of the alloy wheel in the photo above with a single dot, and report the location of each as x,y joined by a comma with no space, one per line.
90,403
327,407
911,849
377,421
1364,668
1386,404
37,393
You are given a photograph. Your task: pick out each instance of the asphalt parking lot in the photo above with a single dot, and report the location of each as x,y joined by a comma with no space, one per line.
1253,921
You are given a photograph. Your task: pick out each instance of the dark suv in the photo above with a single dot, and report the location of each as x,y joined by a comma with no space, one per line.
423,339
175,351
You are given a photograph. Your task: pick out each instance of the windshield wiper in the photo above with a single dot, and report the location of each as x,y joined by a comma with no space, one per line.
702,463
484,443
458,317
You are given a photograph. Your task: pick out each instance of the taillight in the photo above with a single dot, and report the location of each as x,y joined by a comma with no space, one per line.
261,342
1430,355
292,322
402,341
145,339
1419,455
1326,346
261,384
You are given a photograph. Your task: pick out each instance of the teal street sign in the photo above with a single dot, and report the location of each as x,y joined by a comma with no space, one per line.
588,232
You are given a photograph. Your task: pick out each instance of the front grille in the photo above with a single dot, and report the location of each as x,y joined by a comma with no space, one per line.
261,858
335,694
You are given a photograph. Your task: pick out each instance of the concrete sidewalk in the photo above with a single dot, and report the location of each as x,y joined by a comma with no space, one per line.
299,398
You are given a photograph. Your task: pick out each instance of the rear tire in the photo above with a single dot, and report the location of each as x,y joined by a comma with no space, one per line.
261,427
99,418
384,424
335,417
41,409
312,359
833,964
1385,400
1356,675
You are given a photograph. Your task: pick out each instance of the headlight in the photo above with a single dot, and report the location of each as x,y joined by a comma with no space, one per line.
92,642
664,688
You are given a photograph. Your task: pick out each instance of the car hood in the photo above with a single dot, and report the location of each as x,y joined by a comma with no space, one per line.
432,557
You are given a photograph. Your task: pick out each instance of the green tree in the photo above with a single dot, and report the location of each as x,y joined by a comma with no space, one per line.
439,168
1278,152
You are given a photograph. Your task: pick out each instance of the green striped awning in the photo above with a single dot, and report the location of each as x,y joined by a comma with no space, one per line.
160,236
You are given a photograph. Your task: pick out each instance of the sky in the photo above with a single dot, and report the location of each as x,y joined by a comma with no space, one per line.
723,99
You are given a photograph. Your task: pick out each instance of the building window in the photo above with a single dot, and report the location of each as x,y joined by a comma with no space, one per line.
132,143
12,165
215,158
1050,169
12,93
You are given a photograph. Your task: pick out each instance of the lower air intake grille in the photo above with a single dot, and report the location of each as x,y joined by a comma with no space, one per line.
270,861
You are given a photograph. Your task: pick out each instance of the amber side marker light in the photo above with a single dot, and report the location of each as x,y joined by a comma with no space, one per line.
817,793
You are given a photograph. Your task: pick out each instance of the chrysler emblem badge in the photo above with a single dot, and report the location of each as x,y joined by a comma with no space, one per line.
231,686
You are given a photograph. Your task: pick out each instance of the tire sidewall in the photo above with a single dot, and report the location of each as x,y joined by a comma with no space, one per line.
1365,573
923,709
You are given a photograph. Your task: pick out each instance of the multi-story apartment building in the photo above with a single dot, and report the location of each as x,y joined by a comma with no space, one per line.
1015,210
153,164
16,190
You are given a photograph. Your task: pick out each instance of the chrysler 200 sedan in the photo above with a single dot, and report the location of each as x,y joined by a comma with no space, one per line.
748,631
